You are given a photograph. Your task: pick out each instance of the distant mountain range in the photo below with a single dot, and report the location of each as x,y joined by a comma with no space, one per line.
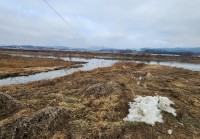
31,47
64,48
180,51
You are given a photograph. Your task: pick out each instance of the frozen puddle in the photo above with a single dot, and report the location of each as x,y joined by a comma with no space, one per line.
148,109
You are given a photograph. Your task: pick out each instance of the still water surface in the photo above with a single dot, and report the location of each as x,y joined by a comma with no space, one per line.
90,65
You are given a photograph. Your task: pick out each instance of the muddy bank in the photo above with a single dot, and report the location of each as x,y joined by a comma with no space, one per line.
92,104
12,66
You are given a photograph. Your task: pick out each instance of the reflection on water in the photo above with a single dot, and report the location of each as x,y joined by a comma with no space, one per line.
91,64
189,66
165,55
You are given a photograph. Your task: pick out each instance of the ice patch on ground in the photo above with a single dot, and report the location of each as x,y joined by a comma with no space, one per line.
148,109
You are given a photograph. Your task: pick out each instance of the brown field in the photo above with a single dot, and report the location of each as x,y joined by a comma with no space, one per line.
121,56
92,104
49,53
11,66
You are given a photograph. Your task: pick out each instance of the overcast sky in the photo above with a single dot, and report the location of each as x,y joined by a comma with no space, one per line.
108,23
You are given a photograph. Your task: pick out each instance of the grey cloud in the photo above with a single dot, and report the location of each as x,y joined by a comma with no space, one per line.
115,23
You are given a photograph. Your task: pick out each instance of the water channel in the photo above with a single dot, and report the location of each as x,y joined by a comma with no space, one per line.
90,65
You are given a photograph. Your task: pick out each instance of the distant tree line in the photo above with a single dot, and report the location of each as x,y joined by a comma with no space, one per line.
154,51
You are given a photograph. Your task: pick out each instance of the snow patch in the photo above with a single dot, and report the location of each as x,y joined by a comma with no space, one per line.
148,109
170,131
180,124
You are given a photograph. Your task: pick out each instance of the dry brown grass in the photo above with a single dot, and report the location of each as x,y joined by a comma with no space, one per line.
15,65
49,53
97,101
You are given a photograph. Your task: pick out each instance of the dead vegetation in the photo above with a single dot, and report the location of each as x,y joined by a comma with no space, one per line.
11,66
8,105
92,104
49,53
101,89
43,123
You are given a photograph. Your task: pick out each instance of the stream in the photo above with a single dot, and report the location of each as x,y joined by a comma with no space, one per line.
90,65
